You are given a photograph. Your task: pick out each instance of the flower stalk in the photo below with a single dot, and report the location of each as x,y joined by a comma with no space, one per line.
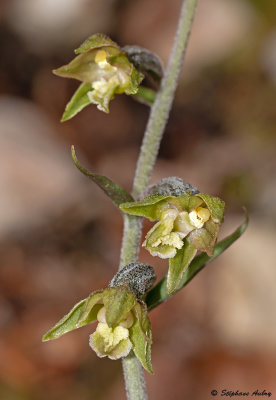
133,373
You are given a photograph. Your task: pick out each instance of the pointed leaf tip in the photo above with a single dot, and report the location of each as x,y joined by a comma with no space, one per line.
117,194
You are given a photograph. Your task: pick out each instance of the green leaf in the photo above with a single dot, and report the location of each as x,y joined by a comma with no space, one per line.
150,207
215,205
179,264
93,304
95,41
68,323
159,294
141,342
118,301
78,101
117,194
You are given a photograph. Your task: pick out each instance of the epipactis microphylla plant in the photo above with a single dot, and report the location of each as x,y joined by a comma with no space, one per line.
188,221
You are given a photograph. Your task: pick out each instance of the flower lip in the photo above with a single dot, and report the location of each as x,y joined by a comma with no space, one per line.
109,342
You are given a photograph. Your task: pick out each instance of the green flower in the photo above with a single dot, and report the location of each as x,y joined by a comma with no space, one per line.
123,323
186,223
104,70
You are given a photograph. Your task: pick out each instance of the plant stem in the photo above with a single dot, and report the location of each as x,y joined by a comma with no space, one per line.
131,239
134,378
133,373
163,102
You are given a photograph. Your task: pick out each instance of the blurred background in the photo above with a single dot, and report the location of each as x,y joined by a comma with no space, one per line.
60,237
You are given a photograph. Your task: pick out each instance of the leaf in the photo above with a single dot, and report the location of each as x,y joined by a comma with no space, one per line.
141,343
68,323
118,301
159,294
78,101
215,205
149,207
95,41
117,194
179,264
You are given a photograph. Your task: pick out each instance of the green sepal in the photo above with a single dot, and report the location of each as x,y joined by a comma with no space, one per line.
187,202
93,304
95,41
179,264
78,102
83,66
118,301
141,313
117,194
158,294
136,78
141,337
204,239
215,205
150,207
68,323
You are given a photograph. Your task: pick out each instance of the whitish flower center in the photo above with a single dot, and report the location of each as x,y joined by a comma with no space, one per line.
199,216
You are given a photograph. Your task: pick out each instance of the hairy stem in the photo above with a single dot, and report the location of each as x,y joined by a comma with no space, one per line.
131,239
133,374
163,102
134,378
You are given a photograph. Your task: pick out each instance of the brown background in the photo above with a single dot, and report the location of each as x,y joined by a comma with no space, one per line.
60,237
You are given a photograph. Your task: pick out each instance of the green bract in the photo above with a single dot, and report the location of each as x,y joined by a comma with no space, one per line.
186,223
104,70
123,324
